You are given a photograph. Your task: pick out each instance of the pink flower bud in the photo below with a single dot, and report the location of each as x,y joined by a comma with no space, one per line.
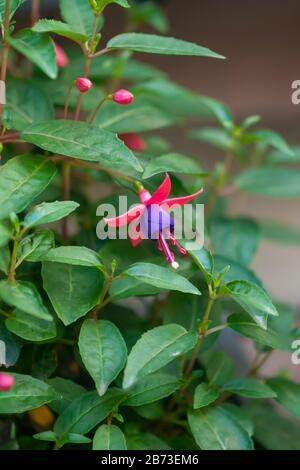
133,141
123,97
83,84
62,59
6,381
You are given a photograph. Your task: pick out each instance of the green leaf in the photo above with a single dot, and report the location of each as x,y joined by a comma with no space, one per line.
219,368
250,121
103,351
288,394
14,5
4,259
73,290
67,390
47,212
236,239
79,15
183,309
105,66
140,116
171,97
158,276
152,388
71,438
245,326
104,3
30,327
73,255
239,414
22,179
273,431
5,233
58,27
251,388
252,298
176,162
32,247
219,138
221,112
155,349
236,271
38,48
276,156
204,260
83,141
151,14
48,436
204,395
26,394
24,296
75,438
151,43
26,103
280,233
146,441
109,438
270,181
122,288
269,137
215,429
86,411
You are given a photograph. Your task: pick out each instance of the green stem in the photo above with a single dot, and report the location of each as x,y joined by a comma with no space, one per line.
68,99
258,364
4,314
254,369
215,193
215,329
66,179
203,327
102,302
101,102
87,66
35,11
13,260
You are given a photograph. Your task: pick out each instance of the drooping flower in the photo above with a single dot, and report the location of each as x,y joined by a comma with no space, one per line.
83,84
133,141
122,97
6,381
152,219
62,59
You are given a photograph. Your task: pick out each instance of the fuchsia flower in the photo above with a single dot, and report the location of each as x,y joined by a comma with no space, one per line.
6,381
152,219
133,141
83,84
62,59
123,97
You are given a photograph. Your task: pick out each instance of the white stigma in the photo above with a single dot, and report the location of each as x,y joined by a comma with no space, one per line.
175,265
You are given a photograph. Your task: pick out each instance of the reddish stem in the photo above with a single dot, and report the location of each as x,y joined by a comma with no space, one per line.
91,120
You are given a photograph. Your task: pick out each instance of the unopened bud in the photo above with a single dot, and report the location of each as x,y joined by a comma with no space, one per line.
123,97
6,381
83,84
